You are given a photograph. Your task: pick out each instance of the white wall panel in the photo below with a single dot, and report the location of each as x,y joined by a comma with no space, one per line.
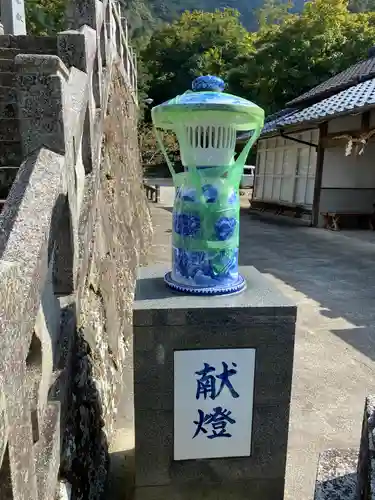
286,169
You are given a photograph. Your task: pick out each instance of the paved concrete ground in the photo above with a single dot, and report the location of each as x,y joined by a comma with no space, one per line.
332,278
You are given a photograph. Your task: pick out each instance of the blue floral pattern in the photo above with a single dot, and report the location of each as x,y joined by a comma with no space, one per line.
225,227
232,197
210,193
207,97
208,82
186,224
188,263
206,268
186,194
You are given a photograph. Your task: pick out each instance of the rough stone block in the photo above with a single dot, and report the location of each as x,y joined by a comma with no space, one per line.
72,49
43,105
154,380
39,229
41,113
40,64
250,489
78,48
47,329
34,196
108,290
82,12
154,451
157,305
6,65
8,79
337,475
47,453
166,321
38,44
4,425
366,461
8,109
10,154
33,85
9,130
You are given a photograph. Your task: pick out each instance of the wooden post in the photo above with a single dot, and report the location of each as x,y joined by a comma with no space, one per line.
13,17
365,122
323,130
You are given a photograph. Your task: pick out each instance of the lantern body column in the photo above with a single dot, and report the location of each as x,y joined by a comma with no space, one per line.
206,232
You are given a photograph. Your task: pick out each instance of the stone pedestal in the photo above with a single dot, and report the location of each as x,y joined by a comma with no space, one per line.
258,323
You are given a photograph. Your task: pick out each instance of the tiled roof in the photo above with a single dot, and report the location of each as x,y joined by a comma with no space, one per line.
357,73
244,136
349,100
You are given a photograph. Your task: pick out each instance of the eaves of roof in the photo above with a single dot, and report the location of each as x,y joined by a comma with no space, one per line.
358,73
351,100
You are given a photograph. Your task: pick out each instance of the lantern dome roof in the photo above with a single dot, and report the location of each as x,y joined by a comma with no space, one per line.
205,98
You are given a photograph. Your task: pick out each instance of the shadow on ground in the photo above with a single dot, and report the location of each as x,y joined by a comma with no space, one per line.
121,480
334,269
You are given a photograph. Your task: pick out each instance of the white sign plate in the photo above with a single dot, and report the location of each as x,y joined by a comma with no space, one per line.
213,403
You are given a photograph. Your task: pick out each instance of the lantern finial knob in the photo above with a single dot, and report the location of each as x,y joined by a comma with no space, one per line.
208,83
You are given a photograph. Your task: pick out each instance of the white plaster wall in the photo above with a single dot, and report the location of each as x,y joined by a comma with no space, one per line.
349,171
286,169
345,123
348,182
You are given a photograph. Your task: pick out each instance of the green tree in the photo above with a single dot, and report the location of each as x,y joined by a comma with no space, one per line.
362,5
273,12
197,43
303,51
45,17
141,21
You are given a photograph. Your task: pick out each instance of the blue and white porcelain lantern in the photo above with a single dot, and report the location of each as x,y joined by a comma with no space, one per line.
206,209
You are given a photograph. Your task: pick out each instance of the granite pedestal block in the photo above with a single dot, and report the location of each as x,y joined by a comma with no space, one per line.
165,321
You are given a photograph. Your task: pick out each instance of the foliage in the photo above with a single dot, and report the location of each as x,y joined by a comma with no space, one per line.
198,42
141,21
45,17
302,51
289,54
273,12
152,158
169,10
362,5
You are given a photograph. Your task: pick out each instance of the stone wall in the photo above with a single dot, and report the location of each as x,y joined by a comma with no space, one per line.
122,231
72,231
349,474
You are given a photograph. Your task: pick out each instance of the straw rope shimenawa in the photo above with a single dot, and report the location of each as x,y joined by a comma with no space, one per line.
359,143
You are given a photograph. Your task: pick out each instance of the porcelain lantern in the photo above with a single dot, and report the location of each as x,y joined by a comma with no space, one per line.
206,208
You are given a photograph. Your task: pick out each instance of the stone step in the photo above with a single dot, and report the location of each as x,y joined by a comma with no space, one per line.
7,177
8,110
29,43
9,129
6,64
6,53
10,154
8,102
8,94
8,79
11,53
